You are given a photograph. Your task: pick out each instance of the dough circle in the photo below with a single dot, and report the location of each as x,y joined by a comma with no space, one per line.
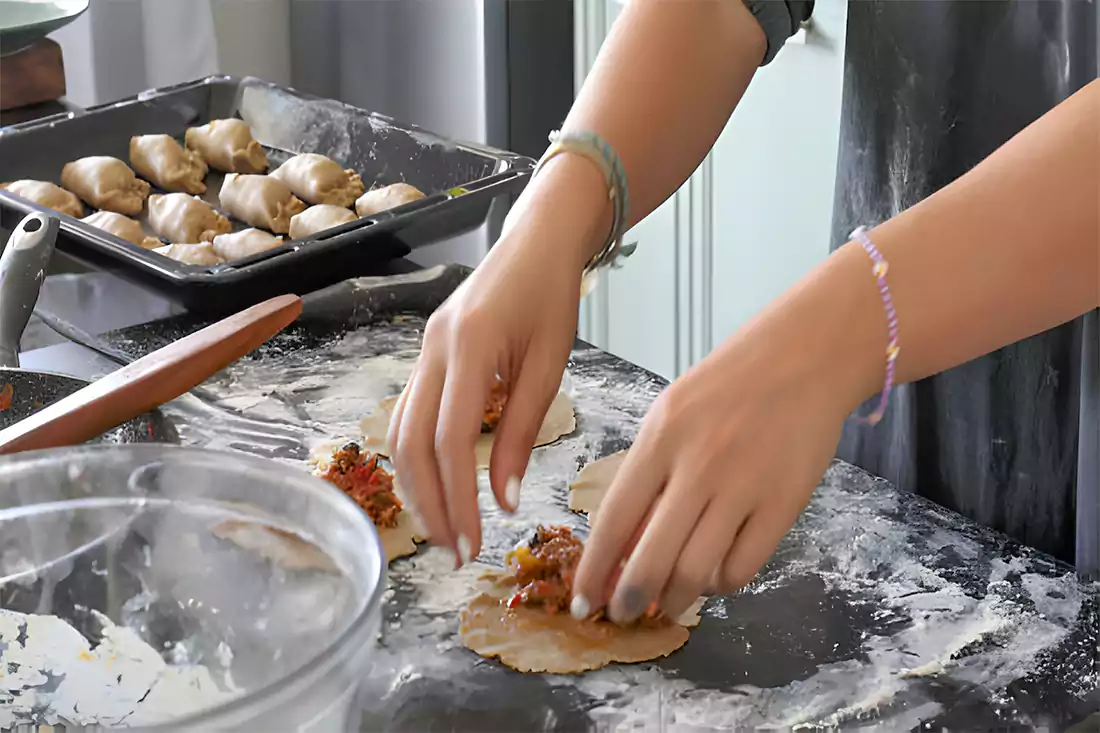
560,420
586,493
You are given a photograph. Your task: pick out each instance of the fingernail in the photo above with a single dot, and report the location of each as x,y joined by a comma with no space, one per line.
511,493
580,608
464,549
628,606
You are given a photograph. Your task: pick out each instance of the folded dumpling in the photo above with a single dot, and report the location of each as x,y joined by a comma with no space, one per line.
319,180
247,242
47,194
319,218
191,254
261,201
387,197
106,183
180,218
228,145
122,227
162,160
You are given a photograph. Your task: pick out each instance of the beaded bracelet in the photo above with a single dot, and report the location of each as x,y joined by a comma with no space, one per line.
593,147
893,346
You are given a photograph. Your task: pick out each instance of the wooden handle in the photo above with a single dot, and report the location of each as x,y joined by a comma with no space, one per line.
150,381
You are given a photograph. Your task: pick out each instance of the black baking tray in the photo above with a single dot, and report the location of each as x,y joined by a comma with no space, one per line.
461,179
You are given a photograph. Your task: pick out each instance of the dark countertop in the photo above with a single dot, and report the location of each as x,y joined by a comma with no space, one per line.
880,608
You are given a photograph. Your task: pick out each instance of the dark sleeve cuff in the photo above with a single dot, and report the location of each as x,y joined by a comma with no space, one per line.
780,19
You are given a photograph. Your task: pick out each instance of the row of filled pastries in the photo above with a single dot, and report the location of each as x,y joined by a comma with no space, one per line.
276,202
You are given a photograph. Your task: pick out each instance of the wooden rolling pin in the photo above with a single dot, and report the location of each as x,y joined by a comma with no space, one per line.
150,381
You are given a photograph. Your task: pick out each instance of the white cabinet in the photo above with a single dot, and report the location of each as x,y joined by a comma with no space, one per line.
753,218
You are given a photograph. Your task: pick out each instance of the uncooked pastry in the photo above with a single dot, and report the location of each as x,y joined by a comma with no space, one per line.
162,160
385,198
191,254
261,201
560,420
228,145
183,219
531,640
122,227
47,194
317,219
320,180
245,243
106,183
586,493
286,549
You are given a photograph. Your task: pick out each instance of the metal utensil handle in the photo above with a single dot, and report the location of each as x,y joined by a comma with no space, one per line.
22,269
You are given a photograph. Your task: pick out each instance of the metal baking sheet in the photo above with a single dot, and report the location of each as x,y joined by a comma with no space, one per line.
461,181
880,610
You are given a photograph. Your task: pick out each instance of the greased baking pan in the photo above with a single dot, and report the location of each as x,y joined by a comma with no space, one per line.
461,181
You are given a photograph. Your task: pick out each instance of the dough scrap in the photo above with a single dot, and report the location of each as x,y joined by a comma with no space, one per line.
247,242
593,481
162,160
317,179
399,541
531,640
227,145
382,199
560,421
286,549
317,219
261,201
183,219
47,194
122,227
106,183
191,254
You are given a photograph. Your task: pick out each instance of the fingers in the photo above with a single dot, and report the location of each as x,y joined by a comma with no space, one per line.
702,556
756,542
414,450
394,431
629,499
535,386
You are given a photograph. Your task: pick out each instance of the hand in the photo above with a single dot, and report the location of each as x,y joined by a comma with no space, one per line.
514,317
725,461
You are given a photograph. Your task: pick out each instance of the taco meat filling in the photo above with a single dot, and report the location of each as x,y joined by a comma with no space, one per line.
494,407
357,474
544,570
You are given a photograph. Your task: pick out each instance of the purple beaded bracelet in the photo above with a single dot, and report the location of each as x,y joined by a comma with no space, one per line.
893,347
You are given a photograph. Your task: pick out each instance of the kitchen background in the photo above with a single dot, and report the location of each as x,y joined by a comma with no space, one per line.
503,72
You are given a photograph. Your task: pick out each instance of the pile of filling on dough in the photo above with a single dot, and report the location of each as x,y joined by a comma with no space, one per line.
494,407
358,474
544,569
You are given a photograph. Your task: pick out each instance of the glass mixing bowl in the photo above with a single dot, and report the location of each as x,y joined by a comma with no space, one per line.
171,589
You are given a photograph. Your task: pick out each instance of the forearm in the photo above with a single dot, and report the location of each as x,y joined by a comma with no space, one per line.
663,87
1010,249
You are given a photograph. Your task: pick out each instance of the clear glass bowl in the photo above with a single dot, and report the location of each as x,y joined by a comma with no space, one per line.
166,588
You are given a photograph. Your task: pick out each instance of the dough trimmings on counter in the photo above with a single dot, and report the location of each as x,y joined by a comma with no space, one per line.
245,243
522,616
560,420
47,194
227,145
122,227
317,179
382,199
359,474
183,219
260,201
201,254
319,218
106,183
593,482
162,160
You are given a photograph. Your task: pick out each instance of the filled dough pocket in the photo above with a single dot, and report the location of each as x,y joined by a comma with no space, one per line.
320,180
162,160
183,219
318,219
245,243
261,201
122,227
202,254
106,183
47,194
228,146
382,199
